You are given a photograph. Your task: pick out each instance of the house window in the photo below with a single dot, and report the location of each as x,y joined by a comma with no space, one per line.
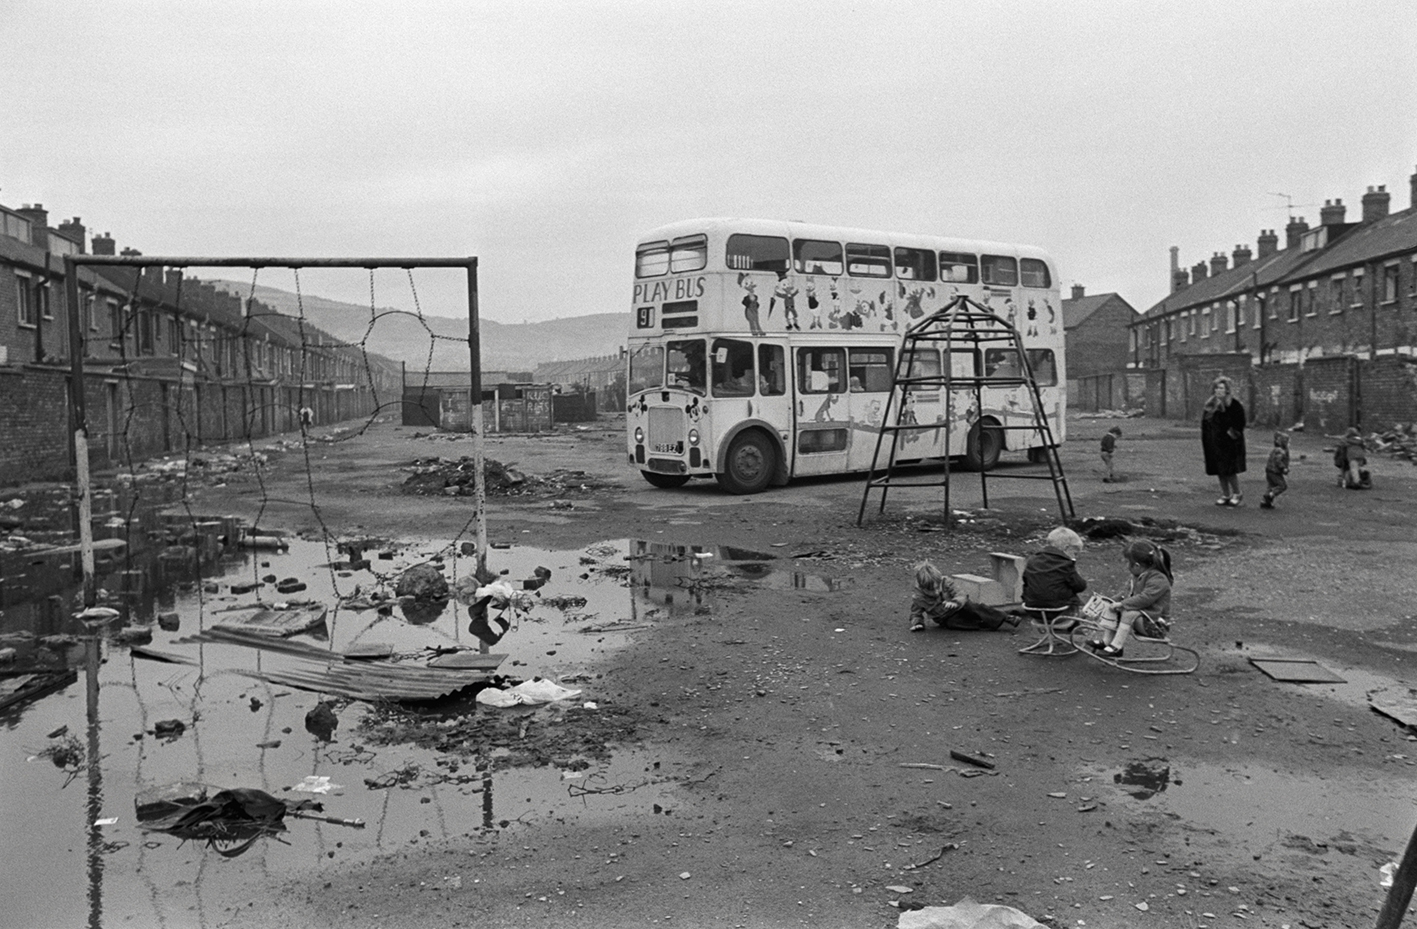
1390,282
1205,323
24,300
1296,296
174,334
1412,278
1357,301
1181,326
1335,295
1194,315
41,293
1259,310
1230,312
1311,305
1274,303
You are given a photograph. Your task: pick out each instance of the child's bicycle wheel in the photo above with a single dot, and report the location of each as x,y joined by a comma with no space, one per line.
1142,654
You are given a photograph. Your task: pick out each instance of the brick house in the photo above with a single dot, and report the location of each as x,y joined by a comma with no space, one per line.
1321,331
169,362
1095,334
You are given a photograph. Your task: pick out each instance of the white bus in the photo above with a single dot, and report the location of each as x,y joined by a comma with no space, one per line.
762,350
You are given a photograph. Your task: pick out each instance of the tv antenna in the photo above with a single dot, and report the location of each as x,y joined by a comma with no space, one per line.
1289,203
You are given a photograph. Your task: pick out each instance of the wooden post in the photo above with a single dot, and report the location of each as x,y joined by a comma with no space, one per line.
1403,882
479,482
79,426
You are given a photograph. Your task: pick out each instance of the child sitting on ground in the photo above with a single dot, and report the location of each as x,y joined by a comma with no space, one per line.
1109,445
1274,470
1050,576
935,597
1146,610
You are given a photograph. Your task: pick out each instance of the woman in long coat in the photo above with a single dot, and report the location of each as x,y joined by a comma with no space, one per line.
1223,439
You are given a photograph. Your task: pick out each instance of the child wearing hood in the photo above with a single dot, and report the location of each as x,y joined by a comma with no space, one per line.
1274,470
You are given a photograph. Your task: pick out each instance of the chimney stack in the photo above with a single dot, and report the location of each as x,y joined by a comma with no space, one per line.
1242,255
39,224
1375,203
1077,291
1218,263
1413,182
1295,231
103,244
1332,213
1198,272
1180,280
1268,243
73,229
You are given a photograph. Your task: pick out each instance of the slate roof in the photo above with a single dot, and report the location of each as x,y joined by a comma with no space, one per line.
1256,272
1075,311
1395,233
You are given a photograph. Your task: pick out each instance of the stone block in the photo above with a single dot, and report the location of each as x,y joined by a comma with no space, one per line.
980,589
1008,571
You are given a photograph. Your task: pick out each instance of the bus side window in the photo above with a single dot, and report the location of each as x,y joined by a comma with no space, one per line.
756,253
821,370
1001,362
959,268
1034,273
772,371
733,368
914,264
864,260
870,370
1000,270
1044,366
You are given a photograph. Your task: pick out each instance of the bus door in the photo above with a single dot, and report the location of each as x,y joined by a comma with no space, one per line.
748,382
868,382
823,435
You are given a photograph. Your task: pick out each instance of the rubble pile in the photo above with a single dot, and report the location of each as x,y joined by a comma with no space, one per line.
1398,442
456,477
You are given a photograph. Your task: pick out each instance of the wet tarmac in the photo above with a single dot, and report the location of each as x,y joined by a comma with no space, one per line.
72,762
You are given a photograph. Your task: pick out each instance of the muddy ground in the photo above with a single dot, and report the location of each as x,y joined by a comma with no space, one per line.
798,721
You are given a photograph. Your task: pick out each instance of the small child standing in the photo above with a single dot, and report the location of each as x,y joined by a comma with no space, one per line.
1146,610
935,598
1109,445
1351,456
1274,470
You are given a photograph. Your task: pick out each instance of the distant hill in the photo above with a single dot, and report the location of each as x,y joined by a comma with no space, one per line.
400,337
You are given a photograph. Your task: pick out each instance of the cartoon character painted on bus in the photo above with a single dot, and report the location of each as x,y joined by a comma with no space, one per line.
912,298
814,306
1052,317
888,313
750,303
1011,312
786,290
834,317
1032,318
907,409
873,414
824,412
695,410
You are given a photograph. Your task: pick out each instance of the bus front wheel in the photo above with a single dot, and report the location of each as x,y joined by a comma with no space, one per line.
665,481
986,442
750,464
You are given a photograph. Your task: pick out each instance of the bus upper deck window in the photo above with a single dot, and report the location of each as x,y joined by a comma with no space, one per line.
914,264
688,253
1000,270
757,253
1034,273
814,256
651,259
868,260
959,268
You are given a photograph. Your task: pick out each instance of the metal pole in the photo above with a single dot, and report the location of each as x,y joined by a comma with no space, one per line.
1403,881
78,424
479,482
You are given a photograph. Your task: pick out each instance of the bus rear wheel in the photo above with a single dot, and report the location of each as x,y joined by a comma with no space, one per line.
750,464
665,481
986,443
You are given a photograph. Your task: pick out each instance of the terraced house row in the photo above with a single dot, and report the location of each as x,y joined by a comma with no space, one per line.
1322,331
169,362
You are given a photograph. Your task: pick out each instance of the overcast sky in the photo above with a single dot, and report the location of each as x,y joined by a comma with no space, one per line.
545,137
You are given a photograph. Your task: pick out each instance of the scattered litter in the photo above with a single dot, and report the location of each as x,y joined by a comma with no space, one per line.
316,784
229,821
1386,874
98,614
530,693
279,620
684,875
1296,671
1058,796
900,889
1401,707
106,821
169,728
971,759
966,914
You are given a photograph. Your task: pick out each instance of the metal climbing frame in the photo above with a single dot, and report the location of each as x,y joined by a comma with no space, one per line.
962,324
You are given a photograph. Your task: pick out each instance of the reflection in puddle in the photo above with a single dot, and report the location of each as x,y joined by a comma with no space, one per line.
240,730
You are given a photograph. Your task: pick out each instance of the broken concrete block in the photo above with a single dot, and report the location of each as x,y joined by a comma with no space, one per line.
1008,571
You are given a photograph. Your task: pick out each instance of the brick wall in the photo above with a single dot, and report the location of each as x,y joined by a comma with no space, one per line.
34,405
1276,395
1194,375
1098,345
1328,394
1388,392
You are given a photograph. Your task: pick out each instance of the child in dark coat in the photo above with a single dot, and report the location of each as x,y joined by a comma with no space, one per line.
1274,470
1050,576
1109,446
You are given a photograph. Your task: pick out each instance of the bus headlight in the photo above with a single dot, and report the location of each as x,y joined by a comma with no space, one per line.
639,436
693,437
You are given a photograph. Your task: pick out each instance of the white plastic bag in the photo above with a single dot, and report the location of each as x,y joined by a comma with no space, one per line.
530,693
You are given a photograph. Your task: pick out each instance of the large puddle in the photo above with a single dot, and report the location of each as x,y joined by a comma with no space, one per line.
73,761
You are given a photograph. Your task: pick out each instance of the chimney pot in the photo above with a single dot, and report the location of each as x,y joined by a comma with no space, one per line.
1198,272
1375,204
1218,263
1077,291
1295,231
103,244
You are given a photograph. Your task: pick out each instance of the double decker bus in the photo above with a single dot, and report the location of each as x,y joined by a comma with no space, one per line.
764,350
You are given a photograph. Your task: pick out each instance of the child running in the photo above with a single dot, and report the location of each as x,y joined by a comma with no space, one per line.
1274,470
1146,610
